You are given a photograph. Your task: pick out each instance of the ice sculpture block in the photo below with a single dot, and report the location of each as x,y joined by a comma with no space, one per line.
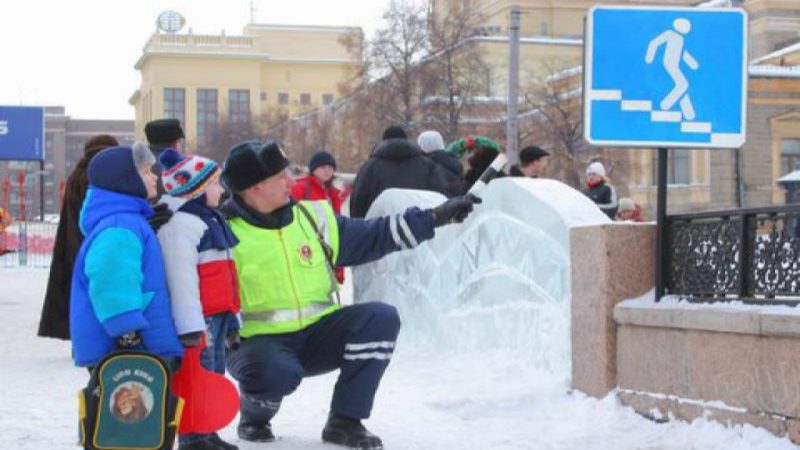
500,279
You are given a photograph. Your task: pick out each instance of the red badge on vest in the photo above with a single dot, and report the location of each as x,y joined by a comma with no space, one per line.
305,252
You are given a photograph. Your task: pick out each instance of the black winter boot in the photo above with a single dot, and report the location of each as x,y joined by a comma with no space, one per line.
350,433
222,444
205,444
255,432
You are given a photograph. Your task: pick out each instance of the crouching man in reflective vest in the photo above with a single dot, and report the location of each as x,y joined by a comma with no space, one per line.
292,324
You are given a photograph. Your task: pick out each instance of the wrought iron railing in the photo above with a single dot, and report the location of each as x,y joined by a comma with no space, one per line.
752,255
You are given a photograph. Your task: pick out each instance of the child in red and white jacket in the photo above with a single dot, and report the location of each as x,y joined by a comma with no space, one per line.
201,273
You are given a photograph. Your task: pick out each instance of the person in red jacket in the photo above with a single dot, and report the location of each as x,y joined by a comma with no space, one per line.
318,185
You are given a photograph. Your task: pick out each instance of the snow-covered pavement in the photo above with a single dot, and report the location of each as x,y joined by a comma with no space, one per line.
428,400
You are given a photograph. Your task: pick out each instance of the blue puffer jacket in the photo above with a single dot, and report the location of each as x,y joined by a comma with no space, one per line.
118,283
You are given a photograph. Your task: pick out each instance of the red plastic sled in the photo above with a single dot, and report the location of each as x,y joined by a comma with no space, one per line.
211,401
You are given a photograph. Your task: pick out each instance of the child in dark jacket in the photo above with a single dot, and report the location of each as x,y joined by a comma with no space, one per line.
201,274
119,290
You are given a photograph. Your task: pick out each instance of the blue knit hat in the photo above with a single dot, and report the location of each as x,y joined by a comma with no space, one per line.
185,175
321,158
116,169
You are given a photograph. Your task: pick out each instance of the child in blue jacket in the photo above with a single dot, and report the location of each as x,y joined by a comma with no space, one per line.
119,290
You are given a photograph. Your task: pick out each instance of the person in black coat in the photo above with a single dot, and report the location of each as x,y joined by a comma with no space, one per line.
599,190
532,161
396,162
449,165
54,322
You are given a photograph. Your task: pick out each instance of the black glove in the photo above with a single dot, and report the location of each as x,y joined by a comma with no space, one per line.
129,340
190,340
161,216
454,210
232,339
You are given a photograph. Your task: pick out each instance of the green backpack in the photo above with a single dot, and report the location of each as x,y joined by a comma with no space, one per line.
128,404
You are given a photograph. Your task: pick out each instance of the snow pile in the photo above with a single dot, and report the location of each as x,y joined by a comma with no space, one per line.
499,280
427,400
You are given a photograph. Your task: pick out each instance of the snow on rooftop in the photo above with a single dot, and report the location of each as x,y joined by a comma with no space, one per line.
771,71
566,73
778,53
791,176
545,40
716,4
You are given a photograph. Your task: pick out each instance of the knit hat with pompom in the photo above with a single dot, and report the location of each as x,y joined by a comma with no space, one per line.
186,175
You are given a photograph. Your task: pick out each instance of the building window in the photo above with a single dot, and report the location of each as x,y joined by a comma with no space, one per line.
263,96
283,98
679,167
790,155
206,114
305,99
327,99
239,105
175,104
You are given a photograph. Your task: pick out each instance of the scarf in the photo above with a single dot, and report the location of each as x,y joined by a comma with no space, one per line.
220,233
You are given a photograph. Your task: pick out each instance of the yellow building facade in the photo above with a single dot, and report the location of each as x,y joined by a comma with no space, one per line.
204,80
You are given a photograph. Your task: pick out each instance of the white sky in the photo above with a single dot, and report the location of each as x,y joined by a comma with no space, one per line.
80,53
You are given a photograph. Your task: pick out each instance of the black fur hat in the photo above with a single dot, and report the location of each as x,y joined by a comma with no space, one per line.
250,162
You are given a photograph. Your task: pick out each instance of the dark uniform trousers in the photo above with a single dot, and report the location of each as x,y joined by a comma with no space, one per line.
357,339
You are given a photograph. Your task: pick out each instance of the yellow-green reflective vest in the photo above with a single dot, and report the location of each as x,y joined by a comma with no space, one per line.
285,282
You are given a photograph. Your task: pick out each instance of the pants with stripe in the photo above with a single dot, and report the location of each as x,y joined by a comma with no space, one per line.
357,339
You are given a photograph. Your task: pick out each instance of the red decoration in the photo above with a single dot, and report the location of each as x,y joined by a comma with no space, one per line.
470,142
199,165
211,400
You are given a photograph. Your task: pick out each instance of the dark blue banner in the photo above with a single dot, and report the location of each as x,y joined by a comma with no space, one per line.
22,133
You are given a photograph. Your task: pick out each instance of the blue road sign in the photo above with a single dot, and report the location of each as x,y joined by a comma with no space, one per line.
665,77
22,133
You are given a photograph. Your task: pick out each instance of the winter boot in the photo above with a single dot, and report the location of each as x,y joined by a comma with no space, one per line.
350,433
222,444
255,432
205,444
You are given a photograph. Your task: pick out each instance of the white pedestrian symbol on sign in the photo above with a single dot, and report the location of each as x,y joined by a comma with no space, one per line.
674,54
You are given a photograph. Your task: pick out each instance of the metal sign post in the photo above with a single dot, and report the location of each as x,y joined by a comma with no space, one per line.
512,106
670,81
661,219
23,227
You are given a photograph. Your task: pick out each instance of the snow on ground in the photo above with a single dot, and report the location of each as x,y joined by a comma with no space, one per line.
428,400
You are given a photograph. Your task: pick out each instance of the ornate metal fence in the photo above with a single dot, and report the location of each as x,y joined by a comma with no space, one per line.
752,255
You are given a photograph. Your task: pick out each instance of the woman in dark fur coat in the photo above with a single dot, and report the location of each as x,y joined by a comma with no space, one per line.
55,313
481,150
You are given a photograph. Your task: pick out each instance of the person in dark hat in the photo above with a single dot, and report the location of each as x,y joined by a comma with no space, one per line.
396,162
161,135
394,132
292,325
54,322
318,185
164,133
532,161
